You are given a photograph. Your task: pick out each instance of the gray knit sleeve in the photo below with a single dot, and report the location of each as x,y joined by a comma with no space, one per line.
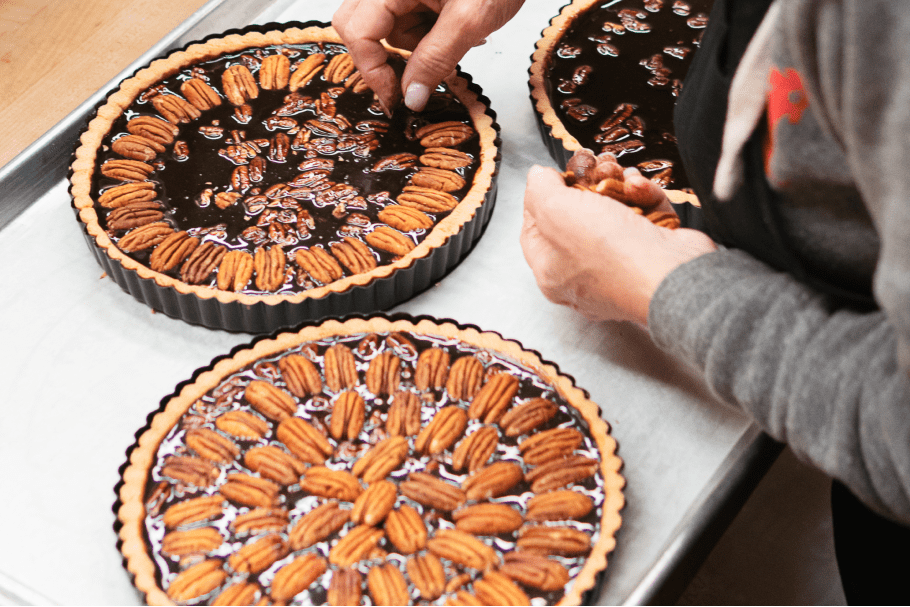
824,381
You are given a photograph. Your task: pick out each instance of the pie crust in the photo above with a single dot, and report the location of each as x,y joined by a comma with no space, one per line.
188,439
408,260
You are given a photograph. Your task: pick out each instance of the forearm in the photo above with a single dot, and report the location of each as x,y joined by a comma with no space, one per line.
827,383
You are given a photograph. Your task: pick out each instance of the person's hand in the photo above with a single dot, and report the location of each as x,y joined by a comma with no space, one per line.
597,255
439,32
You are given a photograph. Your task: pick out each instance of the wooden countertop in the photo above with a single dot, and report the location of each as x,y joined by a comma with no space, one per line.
54,54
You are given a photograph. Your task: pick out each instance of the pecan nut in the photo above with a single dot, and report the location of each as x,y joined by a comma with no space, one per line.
561,472
392,241
405,218
242,424
548,445
125,169
196,581
269,266
190,470
202,262
334,484
384,374
527,416
430,491
443,180
275,72
202,96
432,369
428,575
340,368
154,129
355,546
260,520
175,110
270,400
135,215
386,456
235,271
127,193
387,585
193,510
346,420
445,158
559,506
172,251
562,541
145,237
493,480
534,570
259,555
493,398
339,68
202,540
300,375
462,548
296,576
476,448
406,530
272,463
238,85
395,162
427,200
304,440
488,519
494,588
346,587
403,418
136,147
306,70
322,267
224,200
318,524
250,491
354,255
444,134
446,427
210,445
465,378
238,593
374,504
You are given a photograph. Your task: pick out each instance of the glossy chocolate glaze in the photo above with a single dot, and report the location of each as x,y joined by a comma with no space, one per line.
161,493
181,182
615,75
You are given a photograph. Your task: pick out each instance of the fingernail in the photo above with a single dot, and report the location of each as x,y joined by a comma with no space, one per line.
416,96
385,108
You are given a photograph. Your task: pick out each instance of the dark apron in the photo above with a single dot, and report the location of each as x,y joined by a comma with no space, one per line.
864,542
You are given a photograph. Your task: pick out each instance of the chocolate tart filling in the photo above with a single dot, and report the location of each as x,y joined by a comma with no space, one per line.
257,169
391,460
606,76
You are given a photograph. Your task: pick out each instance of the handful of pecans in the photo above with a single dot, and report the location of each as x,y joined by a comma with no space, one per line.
602,175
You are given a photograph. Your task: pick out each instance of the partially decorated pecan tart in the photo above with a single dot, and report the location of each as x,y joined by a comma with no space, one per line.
606,76
384,461
252,181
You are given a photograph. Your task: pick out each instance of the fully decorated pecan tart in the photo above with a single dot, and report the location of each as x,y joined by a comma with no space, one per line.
252,181
606,75
386,461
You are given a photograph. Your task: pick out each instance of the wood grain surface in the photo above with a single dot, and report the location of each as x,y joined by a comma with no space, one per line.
54,54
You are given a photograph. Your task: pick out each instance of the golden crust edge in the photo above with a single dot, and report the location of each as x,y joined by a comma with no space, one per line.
86,153
131,514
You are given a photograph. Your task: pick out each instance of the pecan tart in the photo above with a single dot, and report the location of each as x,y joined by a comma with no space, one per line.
605,76
381,460
252,181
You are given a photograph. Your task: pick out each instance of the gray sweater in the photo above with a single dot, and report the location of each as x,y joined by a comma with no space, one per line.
832,383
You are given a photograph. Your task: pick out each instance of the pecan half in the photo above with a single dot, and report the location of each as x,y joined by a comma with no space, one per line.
126,170
175,110
275,72
462,548
428,575
476,448
193,510
238,85
495,588
259,555
387,585
444,134
145,237
430,491
432,369
235,271
346,420
305,72
548,445
318,524
260,520
355,546
354,255
387,239
404,218
296,576
200,94
335,484
561,472
269,265
404,414
445,158
136,147
304,440
238,593
488,519
202,262
274,464
493,480
346,587
384,457
493,398
124,194
559,506
527,416
340,368
202,540
384,374
563,541
250,491
374,504
134,215
406,530
437,179
465,378
395,162
190,470
446,427
278,150
534,570
196,581
172,251
300,375
242,424
271,401
427,200
322,267
210,445
154,129
339,68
